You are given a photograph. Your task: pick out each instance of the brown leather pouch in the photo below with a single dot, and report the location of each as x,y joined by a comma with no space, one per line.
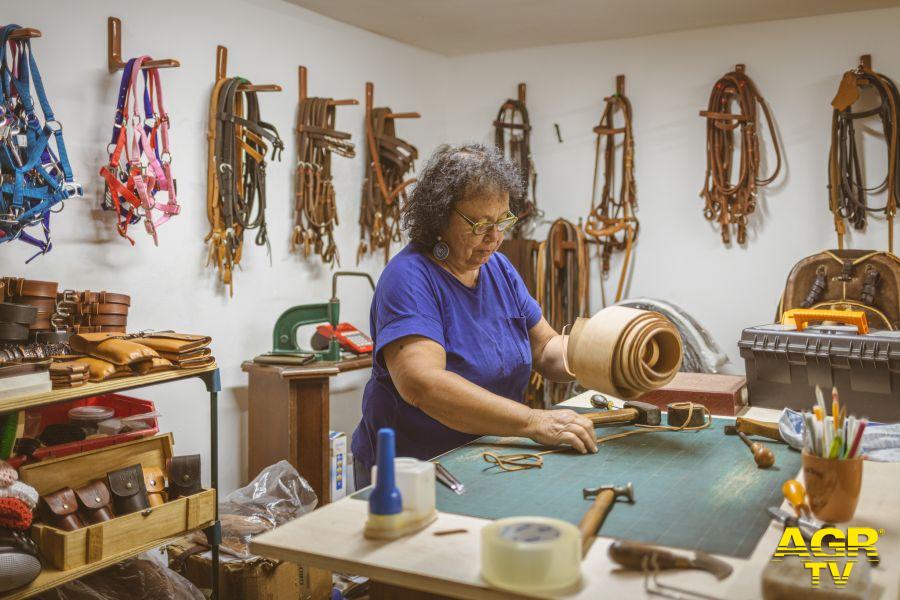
174,343
94,502
156,485
100,370
154,365
128,492
184,475
59,510
111,347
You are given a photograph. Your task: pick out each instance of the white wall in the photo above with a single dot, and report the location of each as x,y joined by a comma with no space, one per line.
796,64
170,286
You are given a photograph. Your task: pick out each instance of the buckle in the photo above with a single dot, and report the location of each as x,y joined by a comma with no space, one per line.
72,189
56,126
150,122
135,120
165,158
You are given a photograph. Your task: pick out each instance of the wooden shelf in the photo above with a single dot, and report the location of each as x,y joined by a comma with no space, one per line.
50,578
103,387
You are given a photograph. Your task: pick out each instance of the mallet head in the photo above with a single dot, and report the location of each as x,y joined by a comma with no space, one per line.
626,491
648,414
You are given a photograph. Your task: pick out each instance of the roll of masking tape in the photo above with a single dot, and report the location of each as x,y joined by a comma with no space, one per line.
531,555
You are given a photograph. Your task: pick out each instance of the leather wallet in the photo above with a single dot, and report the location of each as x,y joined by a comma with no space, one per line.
173,343
154,365
94,502
155,483
184,475
112,347
191,359
128,491
60,510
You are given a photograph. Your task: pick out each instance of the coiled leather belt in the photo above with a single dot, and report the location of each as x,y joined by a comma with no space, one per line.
729,204
848,192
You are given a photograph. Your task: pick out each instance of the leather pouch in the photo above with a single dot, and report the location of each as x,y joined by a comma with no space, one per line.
100,370
156,485
198,357
128,491
154,365
174,343
111,347
184,475
94,502
60,510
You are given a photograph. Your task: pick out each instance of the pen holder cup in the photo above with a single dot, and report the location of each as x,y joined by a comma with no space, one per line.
832,486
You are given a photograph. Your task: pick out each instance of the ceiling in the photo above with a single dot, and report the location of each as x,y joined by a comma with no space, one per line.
456,27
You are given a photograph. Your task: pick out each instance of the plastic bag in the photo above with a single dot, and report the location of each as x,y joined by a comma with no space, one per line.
140,578
277,495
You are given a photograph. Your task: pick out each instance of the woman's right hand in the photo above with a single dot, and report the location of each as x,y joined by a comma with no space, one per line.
562,427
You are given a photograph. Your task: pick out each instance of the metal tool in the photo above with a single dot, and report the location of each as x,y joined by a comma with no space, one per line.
763,456
604,497
806,526
447,478
602,402
285,333
633,411
639,557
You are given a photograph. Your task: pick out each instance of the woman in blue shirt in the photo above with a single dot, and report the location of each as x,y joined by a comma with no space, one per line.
456,332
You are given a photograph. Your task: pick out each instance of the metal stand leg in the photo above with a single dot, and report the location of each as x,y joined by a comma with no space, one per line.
214,532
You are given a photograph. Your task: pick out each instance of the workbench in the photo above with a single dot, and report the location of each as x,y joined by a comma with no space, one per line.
288,417
331,538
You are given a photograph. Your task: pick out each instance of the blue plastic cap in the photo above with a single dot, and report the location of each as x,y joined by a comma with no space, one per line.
385,498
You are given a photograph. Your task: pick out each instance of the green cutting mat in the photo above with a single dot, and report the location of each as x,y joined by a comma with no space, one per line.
698,490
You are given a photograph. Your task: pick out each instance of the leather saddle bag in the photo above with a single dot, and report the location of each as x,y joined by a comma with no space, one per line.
112,347
184,475
155,483
94,502
128,491
847,280
60,510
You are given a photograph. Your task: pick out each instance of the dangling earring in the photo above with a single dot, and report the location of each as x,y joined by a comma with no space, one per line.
441,250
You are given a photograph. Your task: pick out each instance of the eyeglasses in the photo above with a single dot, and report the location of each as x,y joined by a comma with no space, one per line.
482,227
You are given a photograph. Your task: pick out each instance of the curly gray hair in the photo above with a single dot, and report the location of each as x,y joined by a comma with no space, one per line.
454,174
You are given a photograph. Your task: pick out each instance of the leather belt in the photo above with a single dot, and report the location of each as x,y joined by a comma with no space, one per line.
100,298
727,203
236,190
13,332
139,169
388,160
315,212
16,286
44,306
17,313
513,118
847,187
612,222
103,309
93,320
36,175
98,329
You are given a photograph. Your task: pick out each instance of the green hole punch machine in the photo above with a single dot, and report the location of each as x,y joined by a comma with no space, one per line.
330,335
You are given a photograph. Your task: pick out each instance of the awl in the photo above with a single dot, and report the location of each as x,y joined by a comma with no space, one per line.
640,557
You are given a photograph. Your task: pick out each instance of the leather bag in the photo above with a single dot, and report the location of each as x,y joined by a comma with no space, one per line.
60,510
184,475
94,502
111,347
128,491
173,343
847,279
155,482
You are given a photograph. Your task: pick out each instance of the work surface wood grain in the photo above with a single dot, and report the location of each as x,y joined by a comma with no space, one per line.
332,538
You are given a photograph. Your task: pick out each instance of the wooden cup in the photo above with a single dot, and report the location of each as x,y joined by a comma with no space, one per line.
832,486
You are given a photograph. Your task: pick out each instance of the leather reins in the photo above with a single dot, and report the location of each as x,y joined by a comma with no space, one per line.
512,122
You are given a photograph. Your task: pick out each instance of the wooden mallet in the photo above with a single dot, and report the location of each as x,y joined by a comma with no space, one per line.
763,456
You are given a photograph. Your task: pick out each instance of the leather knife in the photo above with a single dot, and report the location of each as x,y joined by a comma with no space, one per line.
639,557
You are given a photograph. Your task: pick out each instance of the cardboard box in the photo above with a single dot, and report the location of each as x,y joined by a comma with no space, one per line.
338,443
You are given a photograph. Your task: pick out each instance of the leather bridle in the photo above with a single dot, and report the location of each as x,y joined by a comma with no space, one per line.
730,204
315,210
512,122
848,194
236,195
611,222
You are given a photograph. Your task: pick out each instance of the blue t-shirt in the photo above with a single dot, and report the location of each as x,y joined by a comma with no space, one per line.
484,331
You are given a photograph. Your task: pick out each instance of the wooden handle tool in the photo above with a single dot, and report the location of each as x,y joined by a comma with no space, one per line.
795,493
604,497
763,456
761,428
640,557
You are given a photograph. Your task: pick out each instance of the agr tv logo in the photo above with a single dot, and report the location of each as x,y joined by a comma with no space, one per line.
826,547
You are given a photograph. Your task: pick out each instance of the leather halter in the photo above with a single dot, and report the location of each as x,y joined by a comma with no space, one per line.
139,168
848,192
388,160
36,179
612,222
236,175
731,204
513,118
315,211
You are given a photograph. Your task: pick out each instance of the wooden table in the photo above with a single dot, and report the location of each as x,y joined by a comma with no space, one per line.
289,417
331,538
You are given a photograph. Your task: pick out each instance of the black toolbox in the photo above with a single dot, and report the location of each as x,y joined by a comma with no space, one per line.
785,365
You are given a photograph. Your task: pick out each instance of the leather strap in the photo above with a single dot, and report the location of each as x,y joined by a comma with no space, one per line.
236,195
93,320
512,135
45,306
731,203
848,193
315,211
611,222
17,313
13,332
16,286
103,309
